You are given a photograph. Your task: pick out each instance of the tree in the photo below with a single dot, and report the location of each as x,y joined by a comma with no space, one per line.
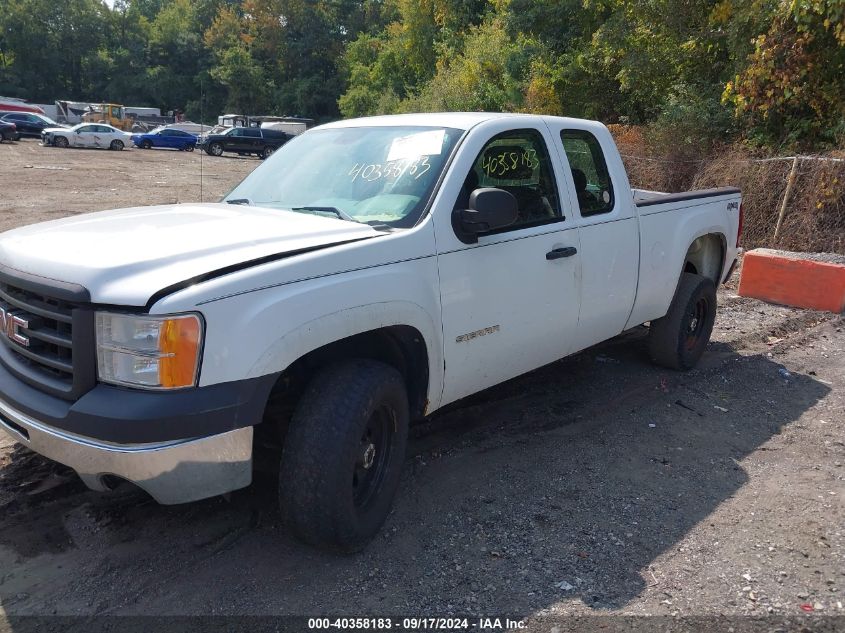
792,90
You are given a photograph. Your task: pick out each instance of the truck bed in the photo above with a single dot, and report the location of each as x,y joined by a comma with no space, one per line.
645,198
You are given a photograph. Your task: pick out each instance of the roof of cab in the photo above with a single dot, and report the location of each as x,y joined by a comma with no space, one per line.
458,120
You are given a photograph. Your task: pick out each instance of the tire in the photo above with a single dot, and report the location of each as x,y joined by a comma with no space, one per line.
146,144
215,149
116,145
189,148
266,152
678,339
343,455
61,141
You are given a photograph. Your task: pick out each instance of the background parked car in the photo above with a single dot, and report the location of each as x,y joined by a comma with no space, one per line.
244,141
166,137
97,135
8,131
29,123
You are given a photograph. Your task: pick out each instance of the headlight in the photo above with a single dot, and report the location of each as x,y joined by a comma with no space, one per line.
149,351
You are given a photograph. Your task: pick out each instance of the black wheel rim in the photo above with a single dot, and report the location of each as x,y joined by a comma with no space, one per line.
696,321
372,458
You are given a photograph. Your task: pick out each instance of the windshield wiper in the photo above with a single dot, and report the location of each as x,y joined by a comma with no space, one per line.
334,210
246,201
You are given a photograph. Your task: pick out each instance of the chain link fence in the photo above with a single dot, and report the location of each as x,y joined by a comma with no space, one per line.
808,216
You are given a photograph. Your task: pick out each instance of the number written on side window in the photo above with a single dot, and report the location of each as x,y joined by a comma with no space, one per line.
518,162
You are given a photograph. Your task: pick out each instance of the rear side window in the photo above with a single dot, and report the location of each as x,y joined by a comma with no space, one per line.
252,132
589,172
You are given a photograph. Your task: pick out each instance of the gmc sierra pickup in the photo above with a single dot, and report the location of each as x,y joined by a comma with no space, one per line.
367,274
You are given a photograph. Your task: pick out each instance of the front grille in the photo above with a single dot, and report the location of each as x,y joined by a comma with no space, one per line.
46,345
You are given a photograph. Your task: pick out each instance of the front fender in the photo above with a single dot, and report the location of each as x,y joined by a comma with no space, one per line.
349,322
264,331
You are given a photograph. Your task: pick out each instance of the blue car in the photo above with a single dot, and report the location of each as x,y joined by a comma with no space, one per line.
166,137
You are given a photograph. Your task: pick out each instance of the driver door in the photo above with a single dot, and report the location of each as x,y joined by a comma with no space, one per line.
84,137
510,301
235,141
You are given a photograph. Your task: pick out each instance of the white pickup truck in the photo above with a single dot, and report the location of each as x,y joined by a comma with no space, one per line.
369,273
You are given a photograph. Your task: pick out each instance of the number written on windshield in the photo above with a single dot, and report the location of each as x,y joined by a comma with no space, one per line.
393,170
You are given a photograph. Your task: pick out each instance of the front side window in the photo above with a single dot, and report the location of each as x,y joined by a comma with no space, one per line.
518,162
589,172
375,175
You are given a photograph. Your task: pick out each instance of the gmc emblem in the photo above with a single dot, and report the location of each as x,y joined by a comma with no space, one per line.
11,324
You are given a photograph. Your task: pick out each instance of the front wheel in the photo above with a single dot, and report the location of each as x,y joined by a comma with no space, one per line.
343,454
215,149
678,339
61,141
189,148
146,144
116,145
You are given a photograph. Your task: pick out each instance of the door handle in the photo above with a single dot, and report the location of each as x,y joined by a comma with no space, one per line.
557,253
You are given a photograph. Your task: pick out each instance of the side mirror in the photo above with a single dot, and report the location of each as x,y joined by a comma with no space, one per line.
489,209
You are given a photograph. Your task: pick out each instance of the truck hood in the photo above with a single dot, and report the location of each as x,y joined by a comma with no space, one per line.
125,256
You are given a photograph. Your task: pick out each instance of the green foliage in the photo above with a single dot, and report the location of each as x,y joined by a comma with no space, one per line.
487,75
695,72
791,92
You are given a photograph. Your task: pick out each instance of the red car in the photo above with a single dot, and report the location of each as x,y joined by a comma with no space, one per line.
8,132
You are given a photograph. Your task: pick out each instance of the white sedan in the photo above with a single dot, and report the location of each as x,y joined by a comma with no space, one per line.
96,135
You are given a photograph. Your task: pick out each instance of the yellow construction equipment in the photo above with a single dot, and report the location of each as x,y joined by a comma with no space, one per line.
111,113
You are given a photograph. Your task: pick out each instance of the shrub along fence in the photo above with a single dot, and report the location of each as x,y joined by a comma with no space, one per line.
794,203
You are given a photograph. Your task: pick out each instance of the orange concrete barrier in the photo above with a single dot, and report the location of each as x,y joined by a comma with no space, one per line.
794,279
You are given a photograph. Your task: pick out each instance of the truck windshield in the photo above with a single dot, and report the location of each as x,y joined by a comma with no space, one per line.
375,175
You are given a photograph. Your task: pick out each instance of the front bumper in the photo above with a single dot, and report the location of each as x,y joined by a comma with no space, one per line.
171,472
181,446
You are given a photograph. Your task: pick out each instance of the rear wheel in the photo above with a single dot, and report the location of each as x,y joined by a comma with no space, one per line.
61,141
343,454
678,339
215,149
266,152
116,145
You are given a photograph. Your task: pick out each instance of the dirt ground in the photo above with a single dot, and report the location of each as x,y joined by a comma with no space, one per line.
598,485
43,183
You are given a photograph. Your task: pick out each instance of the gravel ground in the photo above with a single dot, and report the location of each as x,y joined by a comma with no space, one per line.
827,258
598,485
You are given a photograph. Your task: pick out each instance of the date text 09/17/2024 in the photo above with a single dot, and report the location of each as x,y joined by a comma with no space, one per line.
417,624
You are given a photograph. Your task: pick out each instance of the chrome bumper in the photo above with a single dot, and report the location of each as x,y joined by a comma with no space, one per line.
171,472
